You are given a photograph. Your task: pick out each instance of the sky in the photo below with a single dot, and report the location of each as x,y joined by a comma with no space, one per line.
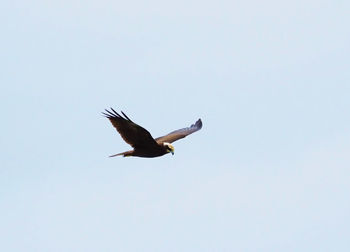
269,170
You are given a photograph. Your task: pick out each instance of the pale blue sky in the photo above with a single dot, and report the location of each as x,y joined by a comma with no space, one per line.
269,171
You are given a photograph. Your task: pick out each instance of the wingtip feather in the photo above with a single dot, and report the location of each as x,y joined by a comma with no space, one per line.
115,112
198,124
126,116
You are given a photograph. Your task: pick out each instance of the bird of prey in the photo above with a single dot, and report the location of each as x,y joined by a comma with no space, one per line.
141,140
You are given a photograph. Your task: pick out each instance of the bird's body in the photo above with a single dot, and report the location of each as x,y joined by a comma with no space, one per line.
141,140
144,152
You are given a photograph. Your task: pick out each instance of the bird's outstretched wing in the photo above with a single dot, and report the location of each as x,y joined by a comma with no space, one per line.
181,133
132,133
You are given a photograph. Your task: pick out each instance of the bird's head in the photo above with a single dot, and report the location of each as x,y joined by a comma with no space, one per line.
169,148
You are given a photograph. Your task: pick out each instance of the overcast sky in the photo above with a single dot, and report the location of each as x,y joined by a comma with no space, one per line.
269,171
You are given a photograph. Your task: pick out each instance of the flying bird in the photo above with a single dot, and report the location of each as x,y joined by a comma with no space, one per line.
141,140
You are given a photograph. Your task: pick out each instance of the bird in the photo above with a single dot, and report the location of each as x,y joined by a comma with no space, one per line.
144,145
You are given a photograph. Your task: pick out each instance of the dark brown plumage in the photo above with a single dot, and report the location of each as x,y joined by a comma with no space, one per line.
141,140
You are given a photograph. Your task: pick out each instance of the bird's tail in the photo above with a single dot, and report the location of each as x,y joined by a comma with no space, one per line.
125,154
